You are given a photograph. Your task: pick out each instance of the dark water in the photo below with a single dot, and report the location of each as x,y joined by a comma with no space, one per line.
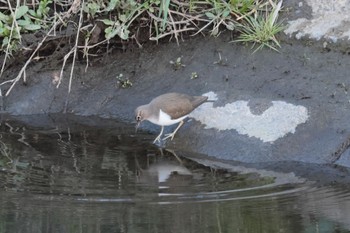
66,176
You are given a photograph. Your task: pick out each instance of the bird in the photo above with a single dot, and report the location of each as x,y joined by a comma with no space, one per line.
168,109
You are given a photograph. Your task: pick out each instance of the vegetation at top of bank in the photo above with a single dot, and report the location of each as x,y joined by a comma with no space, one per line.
92,27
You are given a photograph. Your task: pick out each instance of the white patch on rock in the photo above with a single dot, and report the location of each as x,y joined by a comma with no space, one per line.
211,95
329,21
274,123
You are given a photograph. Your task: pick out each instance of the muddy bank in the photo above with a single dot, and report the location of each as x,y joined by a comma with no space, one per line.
309,77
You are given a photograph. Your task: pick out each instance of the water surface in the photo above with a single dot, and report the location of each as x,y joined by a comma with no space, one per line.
88,175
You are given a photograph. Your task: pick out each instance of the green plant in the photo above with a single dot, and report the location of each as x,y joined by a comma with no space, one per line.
218,13
194,75
123,82
91,8
21,20
131,19
219,18
242,6
42,13
163,13
117,27
261,30
177,64
9,28
120,25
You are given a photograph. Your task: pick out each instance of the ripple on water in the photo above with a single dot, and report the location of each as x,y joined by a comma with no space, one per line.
88,165
97,176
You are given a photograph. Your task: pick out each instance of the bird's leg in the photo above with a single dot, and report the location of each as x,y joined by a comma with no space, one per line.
171,135
158,137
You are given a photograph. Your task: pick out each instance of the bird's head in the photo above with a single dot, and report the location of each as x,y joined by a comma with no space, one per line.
139,115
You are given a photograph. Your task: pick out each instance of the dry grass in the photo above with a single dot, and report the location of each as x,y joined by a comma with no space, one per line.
96,24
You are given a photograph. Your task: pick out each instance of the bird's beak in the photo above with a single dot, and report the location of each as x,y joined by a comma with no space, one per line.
137,125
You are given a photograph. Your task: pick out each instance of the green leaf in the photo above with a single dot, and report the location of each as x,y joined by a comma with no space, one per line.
16,34
32,27
4,18
27,18
22,10
210,15
230,26
164,10
5,41
122,18
39,13
111,5
108,22
111,32
93,8
32,13
225,13
215,31
132,2
2,32
124,34
22,22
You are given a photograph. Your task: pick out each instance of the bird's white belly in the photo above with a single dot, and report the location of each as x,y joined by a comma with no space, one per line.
165,120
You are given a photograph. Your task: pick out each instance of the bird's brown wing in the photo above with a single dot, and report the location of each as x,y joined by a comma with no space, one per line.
178,105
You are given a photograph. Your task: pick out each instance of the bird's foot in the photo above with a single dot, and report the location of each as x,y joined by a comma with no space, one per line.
157,139
170,135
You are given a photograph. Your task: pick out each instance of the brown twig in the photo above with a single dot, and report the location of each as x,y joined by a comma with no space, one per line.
174,28
72,51
22,71
170,33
